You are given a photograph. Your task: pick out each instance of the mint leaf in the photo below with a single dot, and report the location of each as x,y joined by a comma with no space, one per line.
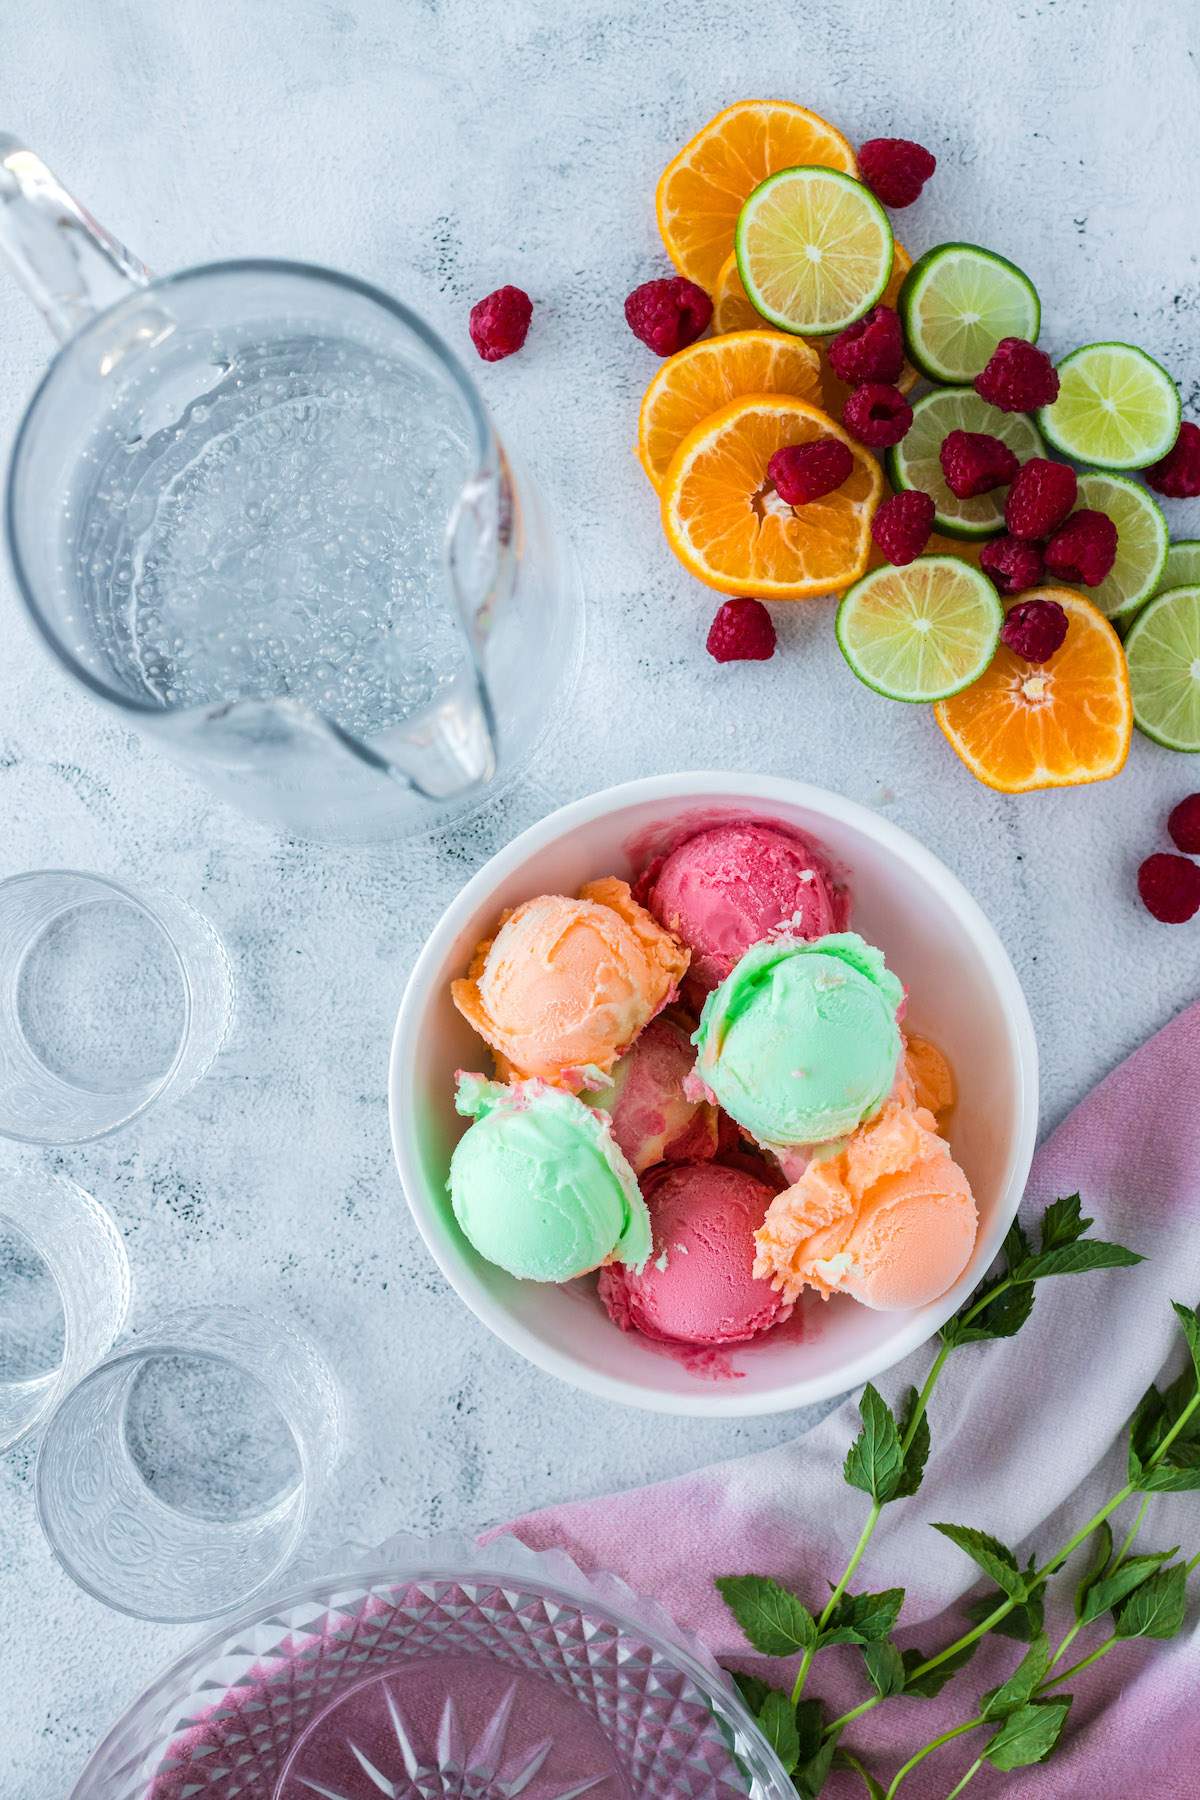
929,1685
1001,1317
1100,1560
1022,1684
1112,1589
1182,1455
752,1688
810,1777
885,1666
918,1450
810,1724
1015,1247
1190,1321
1145,1430
777,1722
1061,1223
873,1462
1024,1621
1156,1608
868,1616
993,1557
774,1620
843,1759
1175,1402
1078,1258
1028,1736
1164,1479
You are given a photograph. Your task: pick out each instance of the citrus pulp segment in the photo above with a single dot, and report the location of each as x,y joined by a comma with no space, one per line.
1116,407
1060,723
1163,653
730,529
921,632
1141,541
957,303
702,191
708,375
1182,567
814,250
732,310
914,461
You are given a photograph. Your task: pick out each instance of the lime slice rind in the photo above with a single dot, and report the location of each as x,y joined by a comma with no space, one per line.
1141,541
956,304
1181,568
801,221
913,462
922,632
1163,654
1116,408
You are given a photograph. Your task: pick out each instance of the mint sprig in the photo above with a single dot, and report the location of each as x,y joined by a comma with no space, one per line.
1142,1595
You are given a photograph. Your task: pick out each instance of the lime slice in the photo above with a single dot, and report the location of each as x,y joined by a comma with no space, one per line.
921,632
1141,541
913,462
1182,567
956,304
1116,407
814,250
1163,653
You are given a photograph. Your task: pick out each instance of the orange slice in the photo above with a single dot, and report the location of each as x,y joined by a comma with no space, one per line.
708,375
728,526
702,192
734,311
1055,724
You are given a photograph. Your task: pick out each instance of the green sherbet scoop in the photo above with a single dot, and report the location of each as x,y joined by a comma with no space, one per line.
539,1185
799,1043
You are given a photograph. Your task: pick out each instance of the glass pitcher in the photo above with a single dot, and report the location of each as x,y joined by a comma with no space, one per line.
259,508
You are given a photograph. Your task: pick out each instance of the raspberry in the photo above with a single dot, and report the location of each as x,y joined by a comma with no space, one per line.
975,463
804,472
1018,378
1084,549
1178,474
668,315
902,525
1012,563
499,322
895,169
1040,498
877,415
1184,825
1170,888
1034,629
742,631
872,349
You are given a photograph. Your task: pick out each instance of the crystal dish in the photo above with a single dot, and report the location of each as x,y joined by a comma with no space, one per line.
437,1669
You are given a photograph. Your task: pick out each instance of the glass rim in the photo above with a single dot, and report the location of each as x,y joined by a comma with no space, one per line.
485,444
145,906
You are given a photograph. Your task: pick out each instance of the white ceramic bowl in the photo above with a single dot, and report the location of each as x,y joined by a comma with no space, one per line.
963,993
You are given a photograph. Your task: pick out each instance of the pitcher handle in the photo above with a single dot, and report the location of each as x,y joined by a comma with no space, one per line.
68,264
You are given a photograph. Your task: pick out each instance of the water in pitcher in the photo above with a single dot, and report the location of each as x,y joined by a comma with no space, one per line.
280,532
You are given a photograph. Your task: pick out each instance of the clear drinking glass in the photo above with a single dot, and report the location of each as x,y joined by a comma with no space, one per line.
177,1479
110,1000
64,1293
259,508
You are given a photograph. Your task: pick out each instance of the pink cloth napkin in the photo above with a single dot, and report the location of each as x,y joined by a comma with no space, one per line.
1028,1441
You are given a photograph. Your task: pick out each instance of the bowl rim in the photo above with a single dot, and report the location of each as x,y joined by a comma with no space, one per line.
756,790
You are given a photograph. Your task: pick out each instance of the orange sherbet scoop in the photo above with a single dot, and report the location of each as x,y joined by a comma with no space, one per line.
890,1221
566,983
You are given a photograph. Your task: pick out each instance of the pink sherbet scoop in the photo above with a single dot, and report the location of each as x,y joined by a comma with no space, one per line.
698,1286
728,888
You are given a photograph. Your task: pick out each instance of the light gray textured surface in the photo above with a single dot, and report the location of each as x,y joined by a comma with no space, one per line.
440,150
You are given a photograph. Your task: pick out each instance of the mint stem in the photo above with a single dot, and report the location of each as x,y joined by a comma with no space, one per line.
1123,1552
956,1731
1084,1662
969,1776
